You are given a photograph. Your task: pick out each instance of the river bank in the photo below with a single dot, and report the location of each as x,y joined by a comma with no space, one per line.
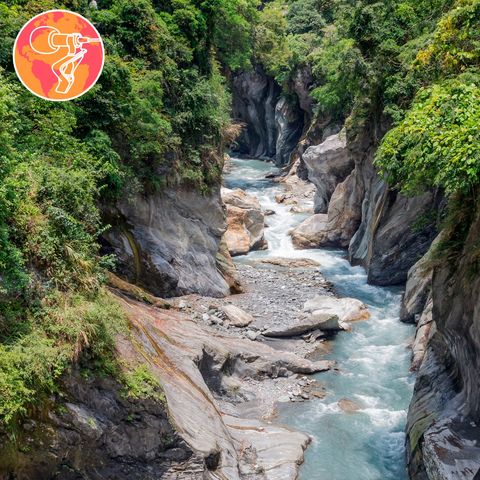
359,406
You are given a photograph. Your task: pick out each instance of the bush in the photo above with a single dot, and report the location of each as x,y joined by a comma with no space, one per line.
438,142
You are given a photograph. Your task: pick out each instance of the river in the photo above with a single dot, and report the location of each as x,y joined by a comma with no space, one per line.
373,358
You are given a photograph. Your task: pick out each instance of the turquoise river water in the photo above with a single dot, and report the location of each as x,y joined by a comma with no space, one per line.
373,359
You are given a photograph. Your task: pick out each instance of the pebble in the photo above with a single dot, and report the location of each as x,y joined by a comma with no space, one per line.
182,305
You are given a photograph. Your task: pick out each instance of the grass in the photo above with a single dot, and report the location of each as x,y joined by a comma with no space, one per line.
67,327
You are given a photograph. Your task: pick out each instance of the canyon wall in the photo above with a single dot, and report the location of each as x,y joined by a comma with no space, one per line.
383,230
272,123
443,299
168,242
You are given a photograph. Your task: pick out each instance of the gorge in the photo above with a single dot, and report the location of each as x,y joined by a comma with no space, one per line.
251,251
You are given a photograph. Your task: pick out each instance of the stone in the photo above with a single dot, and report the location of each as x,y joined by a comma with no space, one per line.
348,406
283,399
168,241
245,222
338,226
182,305
301,325
328,164
236,316
346,309
251,335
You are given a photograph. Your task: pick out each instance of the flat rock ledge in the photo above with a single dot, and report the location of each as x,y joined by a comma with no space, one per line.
205,377
324,313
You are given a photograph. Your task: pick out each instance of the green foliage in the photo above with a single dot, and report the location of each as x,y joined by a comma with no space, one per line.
157,116
438,142
141,384
56,335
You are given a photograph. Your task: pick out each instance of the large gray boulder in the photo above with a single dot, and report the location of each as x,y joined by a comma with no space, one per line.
168,242
323,312
328,164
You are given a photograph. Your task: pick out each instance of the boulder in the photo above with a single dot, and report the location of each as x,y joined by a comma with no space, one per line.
245,222
328,164
348,406
336,228
289,262
304,324
346,309
237,316
309,233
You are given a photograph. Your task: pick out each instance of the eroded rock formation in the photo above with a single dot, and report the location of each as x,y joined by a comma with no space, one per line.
245,222
272,124
168,242
383,230
443,430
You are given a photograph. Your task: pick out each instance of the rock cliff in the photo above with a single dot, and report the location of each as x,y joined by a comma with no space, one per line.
91,429
168,242
444,417
272,123
383,230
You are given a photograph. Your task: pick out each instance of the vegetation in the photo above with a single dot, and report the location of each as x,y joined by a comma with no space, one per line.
414,64
411,67
157,116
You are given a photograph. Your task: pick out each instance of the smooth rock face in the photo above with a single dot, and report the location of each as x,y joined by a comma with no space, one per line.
236,316
255,96
443,429
272,124
289,124
417,291
384,231
328,164
168,242
245,222
398,232
346,309
191,363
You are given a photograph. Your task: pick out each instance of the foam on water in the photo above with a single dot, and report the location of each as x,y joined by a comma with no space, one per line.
373,359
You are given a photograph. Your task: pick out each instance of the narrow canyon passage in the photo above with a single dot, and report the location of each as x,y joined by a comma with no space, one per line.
366,442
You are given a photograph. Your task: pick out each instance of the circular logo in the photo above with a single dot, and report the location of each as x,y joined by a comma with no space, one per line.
58,55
